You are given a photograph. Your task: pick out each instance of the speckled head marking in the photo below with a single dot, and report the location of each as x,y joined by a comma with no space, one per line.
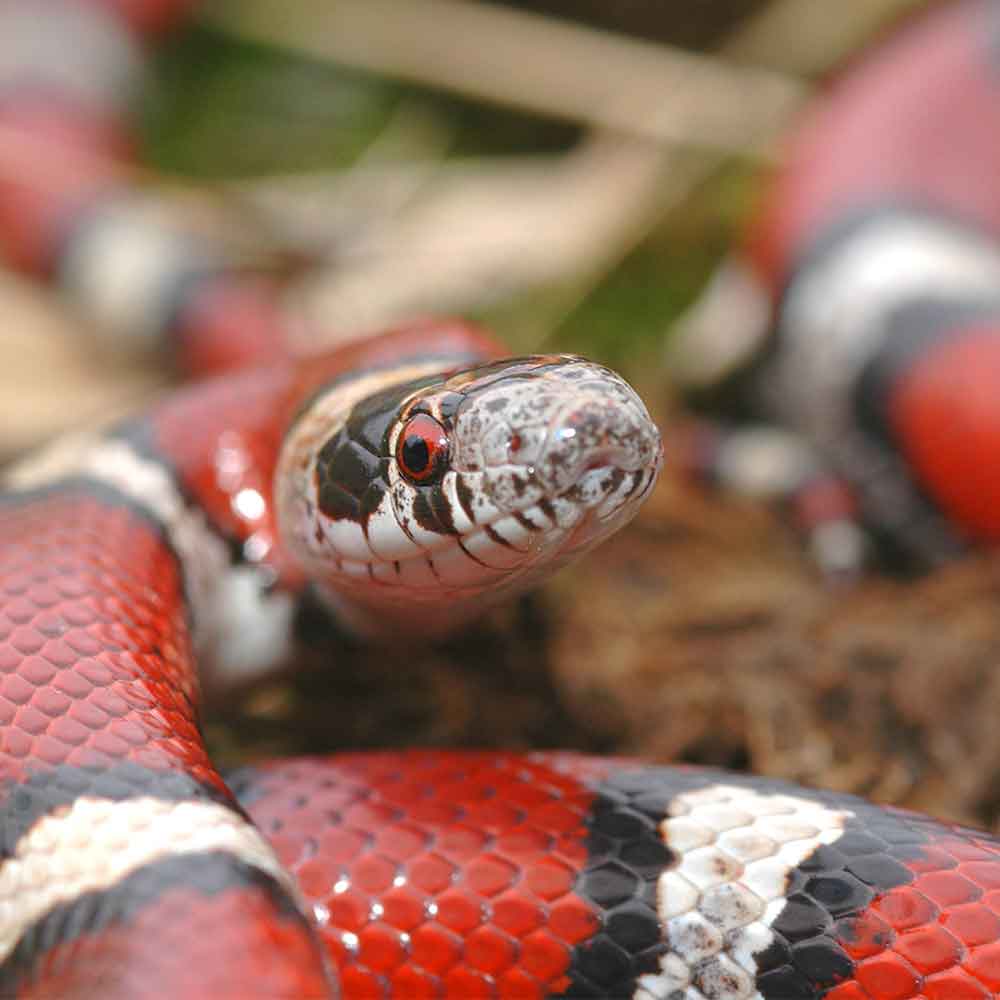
410,494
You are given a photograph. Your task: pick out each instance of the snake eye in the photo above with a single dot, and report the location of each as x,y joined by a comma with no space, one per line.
422,448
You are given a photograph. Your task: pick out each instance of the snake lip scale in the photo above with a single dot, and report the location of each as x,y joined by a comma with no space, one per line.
404,482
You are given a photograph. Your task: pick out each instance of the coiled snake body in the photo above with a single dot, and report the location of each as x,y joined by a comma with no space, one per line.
405,481
863,304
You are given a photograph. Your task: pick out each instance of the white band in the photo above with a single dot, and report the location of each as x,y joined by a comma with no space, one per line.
96,842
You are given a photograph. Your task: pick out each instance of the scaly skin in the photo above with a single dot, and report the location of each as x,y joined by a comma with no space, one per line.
131,557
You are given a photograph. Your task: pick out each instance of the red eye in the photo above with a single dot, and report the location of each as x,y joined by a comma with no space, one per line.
422,448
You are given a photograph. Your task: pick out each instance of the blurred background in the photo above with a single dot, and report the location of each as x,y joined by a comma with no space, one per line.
567,172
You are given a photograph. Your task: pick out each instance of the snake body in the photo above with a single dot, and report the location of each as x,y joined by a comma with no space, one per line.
402,482
870,279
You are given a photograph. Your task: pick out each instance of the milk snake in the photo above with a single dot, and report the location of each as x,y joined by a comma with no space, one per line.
403,481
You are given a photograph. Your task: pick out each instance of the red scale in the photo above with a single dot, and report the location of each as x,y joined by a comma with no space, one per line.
473,896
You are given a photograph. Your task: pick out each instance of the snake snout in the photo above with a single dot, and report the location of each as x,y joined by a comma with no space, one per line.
559,437
600,432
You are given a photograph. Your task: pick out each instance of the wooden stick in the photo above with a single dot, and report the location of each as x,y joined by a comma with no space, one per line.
542,64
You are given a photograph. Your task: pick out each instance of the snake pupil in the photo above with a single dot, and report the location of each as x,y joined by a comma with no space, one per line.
416,454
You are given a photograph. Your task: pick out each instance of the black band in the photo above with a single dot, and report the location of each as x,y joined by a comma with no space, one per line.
23,804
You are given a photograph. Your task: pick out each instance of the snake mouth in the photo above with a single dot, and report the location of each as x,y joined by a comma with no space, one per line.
519,549
610,496
545,528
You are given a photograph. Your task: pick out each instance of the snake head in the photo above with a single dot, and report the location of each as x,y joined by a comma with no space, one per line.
420,498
